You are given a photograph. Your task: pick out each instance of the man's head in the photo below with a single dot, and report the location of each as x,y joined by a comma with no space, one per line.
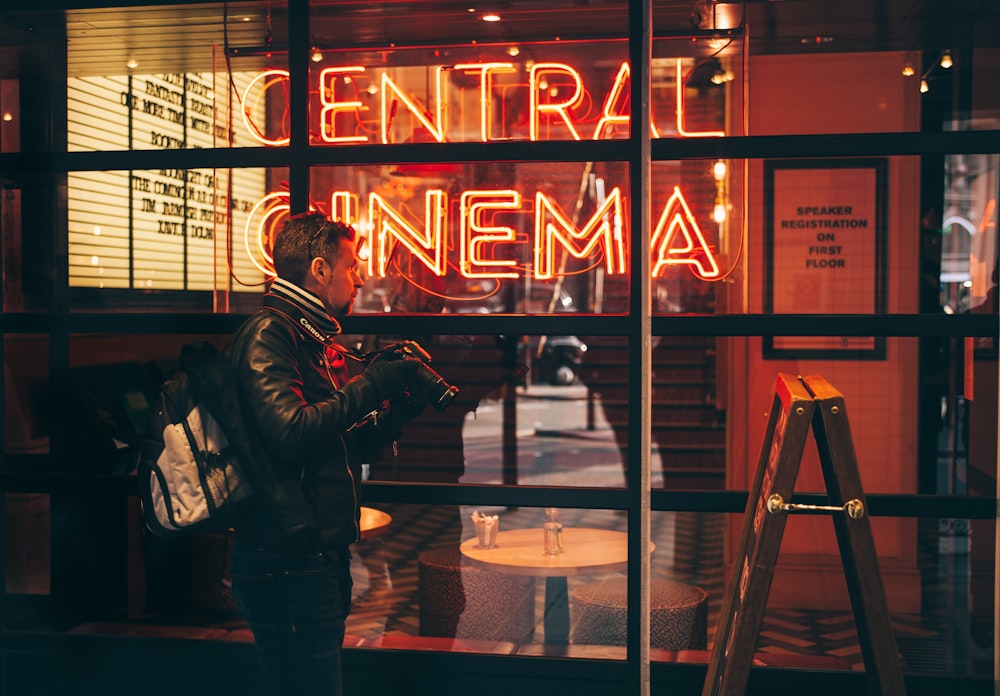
319,256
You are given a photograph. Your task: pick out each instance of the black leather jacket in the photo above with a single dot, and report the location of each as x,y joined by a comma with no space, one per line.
299,406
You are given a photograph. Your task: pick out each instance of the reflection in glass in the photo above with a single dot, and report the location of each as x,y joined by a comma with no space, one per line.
484,238
27,421
523,415
507,599
524,86
186,77
27,543
810,624
553,410
169,229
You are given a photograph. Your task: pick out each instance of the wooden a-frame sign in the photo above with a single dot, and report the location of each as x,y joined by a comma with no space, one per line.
801,404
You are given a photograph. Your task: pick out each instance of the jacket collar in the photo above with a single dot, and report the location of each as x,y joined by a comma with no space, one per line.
304,309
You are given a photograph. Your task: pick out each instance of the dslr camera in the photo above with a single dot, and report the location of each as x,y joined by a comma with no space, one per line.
432,385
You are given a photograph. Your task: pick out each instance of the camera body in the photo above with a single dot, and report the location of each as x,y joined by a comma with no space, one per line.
432,385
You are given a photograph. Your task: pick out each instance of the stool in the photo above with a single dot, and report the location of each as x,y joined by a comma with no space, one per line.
678,613
463,601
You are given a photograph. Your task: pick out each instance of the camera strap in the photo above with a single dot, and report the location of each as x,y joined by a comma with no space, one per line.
322,331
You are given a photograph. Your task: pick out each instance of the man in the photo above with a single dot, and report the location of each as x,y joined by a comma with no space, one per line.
313,426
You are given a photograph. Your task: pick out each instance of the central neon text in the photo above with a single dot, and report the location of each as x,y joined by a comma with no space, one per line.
339,94
486,248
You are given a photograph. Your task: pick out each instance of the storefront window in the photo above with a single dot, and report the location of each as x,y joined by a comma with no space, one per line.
27,400
167,229
184,77
833,218
529,238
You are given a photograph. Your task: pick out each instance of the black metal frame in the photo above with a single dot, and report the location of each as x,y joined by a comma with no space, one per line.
61,321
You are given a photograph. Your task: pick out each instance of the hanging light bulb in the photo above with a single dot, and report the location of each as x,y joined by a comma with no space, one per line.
924,87
719,170
316,56
719,213
908,70
946,60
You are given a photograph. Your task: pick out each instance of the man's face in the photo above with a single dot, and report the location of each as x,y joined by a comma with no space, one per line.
338,282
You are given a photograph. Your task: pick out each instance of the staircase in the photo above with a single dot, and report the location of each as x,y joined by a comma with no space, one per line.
688,433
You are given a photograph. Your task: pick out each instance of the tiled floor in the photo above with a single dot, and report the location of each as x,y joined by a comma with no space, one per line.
554,449
387,588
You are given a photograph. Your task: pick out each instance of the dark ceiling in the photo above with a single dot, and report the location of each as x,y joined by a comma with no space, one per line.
170,37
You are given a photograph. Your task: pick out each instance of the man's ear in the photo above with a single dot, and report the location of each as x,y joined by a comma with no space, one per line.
318,269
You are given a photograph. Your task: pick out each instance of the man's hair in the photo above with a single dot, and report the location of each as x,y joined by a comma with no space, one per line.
304,237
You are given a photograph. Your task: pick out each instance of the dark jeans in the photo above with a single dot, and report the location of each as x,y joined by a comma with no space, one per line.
296,606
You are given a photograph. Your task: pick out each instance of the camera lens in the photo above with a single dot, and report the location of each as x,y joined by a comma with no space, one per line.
436,390
447,396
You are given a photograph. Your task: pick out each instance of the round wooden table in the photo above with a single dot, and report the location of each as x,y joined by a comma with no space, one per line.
586,551
374,522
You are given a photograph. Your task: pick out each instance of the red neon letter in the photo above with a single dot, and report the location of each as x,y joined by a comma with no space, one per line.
388,112
344,207
386,222
608,117
260,229
276,76
677,216
559,108
614,96
473,235
600,229
331,107
486,91
680,111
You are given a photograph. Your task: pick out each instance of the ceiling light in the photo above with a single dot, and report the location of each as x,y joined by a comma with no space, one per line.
924,87
8,116
908,70
719,170
491,17
132,64
946,60
317,57
513,51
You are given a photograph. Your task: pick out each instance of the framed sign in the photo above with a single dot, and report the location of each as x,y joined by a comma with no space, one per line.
824,250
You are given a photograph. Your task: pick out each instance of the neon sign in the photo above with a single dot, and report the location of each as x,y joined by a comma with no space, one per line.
544,103
464,231
676,241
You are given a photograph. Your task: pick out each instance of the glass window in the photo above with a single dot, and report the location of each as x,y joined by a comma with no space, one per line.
168,230
507,597
496,76
939,613
27,546
175,78
532,238
27,421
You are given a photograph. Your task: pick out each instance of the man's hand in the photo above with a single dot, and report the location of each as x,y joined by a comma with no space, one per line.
391,377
